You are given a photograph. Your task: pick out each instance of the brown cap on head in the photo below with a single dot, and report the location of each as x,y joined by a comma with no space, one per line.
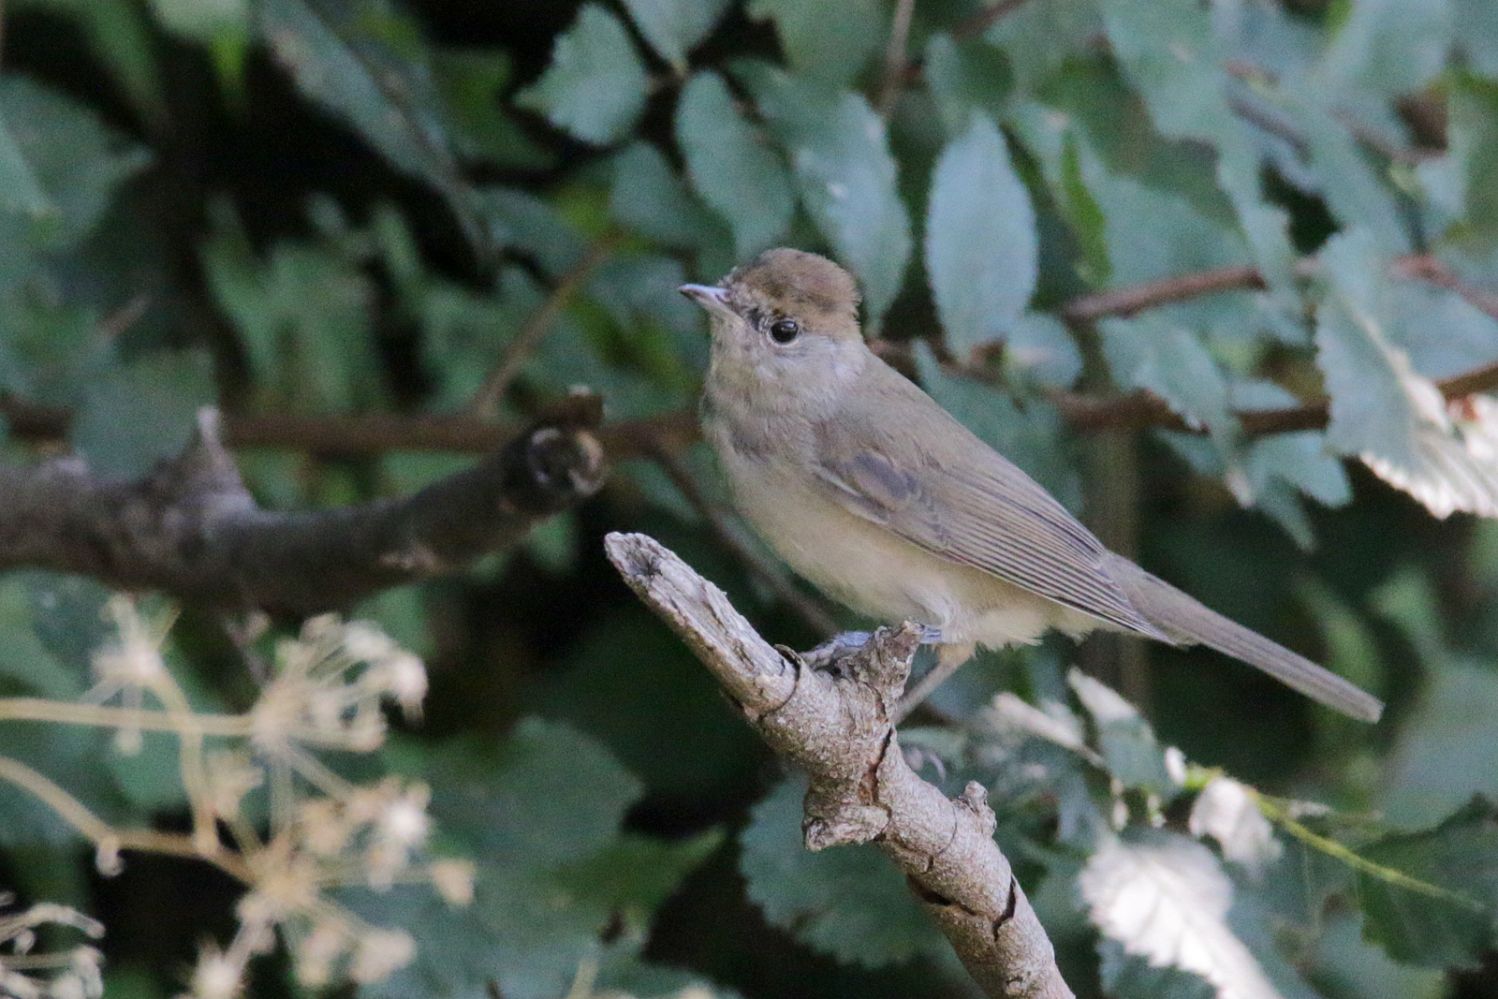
800,284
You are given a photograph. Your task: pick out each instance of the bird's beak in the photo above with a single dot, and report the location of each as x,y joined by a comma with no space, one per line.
710,297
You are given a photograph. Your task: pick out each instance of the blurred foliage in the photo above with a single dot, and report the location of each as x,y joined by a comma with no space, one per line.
343,207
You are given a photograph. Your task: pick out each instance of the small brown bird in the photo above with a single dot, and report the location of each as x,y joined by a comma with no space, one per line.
874,493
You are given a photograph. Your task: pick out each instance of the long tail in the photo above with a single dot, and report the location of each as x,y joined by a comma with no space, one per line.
1190,623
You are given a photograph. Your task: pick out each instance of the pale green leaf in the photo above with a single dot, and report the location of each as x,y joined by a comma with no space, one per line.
595,86
1151,353
1385,48
980,238
205,22
75,164
674,27
965,78
732,166
1125,976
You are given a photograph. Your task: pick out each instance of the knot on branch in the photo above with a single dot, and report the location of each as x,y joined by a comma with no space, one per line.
551,468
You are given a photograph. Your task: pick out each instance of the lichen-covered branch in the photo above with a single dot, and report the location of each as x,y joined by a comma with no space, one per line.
191,529
835,724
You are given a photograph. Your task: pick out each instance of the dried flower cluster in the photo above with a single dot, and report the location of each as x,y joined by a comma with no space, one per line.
26,973
327,692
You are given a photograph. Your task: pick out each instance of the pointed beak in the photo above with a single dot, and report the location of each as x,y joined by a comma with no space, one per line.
710,297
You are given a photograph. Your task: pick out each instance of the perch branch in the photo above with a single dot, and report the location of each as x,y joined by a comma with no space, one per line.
190,528
836,726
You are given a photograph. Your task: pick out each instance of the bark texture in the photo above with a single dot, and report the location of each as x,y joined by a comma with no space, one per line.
191,529
835,725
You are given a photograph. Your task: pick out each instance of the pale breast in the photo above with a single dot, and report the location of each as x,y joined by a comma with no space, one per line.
872,570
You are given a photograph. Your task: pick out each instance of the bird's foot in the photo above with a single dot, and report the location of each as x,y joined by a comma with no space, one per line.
838,646
835,648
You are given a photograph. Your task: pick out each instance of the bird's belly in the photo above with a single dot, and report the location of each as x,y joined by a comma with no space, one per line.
877,573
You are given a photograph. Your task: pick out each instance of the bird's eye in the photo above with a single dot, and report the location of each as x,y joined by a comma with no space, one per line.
784,330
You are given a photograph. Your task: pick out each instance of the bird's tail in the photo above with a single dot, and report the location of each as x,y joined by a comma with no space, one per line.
1190,623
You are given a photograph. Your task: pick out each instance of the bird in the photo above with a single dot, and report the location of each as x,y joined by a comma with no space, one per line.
867,488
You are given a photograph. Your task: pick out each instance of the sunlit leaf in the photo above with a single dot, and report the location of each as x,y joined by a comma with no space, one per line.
1387,413
1228,811
1164,898
980,238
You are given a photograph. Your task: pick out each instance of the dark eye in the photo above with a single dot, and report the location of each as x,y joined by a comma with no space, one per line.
784,330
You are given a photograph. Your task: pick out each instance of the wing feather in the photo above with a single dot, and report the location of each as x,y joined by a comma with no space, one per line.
990,516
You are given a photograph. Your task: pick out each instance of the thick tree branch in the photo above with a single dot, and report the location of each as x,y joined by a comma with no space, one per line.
836,726
191,529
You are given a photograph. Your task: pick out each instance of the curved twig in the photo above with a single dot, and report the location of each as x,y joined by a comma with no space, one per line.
836,726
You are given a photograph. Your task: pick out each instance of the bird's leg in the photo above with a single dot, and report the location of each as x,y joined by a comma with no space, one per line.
948,659
841,645
835,648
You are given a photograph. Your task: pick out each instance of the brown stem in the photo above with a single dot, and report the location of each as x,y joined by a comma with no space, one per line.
537,325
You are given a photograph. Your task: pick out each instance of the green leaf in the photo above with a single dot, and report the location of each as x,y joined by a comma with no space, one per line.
1382,409
20,191
139,413
732,166
1448,921
1125,976
540,815
1475,34
636,872
1128,744
1443,753
980,238
366,63
674,27
1165,900
1228,811
839,151
648,197
829,43
1460,181
847,902
1150,352
469,83
75,164
1349,967
965,79
595,86
1384,48
219,22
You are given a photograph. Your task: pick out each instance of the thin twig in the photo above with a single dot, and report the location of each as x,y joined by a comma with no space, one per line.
896,59
539,323
806,607
104,836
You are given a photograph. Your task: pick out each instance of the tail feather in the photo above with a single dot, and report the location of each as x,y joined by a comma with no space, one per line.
1189,622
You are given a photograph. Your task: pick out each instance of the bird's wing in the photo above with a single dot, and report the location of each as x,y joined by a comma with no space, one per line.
980,511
